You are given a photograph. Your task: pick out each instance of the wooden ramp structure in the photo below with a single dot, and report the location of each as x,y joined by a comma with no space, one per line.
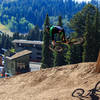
98,64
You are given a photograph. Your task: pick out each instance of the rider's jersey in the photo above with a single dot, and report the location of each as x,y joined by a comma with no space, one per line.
51,29
55,30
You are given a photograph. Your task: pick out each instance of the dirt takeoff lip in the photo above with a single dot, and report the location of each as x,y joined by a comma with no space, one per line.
56,83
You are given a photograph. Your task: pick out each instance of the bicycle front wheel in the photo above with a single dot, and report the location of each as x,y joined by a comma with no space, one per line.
97,87
78,93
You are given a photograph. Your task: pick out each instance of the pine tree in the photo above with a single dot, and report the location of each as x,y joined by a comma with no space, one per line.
89,49
59,24
97,32
86,23
47,54
16,35
92,38
74,51
94,2
60,58
76,54
60,21
68,55
77,23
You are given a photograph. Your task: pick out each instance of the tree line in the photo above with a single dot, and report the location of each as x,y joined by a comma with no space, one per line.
6,40
21,16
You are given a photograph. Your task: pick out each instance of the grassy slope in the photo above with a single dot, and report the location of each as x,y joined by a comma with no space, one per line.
5,30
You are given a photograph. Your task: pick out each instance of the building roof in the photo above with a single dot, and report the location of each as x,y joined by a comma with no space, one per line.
28,42
19,54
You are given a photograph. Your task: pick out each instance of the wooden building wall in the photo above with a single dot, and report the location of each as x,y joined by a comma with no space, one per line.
19,65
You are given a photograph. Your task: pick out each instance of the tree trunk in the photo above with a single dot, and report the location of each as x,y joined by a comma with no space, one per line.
98,64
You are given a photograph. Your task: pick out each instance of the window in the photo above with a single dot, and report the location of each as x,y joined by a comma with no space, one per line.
39,58
38,47
21,65
38,53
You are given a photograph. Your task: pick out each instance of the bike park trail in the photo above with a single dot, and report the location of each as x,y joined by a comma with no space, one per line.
56,83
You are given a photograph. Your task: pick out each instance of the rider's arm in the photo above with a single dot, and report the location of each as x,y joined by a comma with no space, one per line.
52,37
53,42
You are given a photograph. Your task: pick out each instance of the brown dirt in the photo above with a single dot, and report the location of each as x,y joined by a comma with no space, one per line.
50,84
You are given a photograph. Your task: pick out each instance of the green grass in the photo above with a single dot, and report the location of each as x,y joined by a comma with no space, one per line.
5,30
3,27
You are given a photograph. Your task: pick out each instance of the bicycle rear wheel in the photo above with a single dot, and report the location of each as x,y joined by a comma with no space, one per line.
77,41
58,46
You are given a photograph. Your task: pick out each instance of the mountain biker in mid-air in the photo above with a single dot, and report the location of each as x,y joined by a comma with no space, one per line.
56,30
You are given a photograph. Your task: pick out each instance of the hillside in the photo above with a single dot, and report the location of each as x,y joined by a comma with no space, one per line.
50,84
14,15
5,30
6,1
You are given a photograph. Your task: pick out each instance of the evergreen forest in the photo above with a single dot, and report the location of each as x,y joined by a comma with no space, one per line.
22,15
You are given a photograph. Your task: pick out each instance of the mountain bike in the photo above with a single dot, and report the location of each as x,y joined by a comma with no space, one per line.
59,45
79,93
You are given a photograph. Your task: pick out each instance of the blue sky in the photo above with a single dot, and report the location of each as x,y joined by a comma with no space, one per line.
82,0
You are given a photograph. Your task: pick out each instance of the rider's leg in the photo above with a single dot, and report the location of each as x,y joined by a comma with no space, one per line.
53,42
63,36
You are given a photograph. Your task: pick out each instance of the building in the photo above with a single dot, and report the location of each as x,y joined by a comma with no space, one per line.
34,46
0,60
35,66
18,63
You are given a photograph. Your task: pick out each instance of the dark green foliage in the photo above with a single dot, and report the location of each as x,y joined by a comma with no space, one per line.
87,23
77,23
94,2
76,54
60,57
47,54
68,54
60,21
16,35
59,24
88,44
92,38
14,15
97,32
34,34
5,41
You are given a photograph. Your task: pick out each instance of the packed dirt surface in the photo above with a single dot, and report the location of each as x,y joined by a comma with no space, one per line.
50,84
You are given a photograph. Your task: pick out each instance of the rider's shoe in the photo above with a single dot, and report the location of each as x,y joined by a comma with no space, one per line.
64,41
53,46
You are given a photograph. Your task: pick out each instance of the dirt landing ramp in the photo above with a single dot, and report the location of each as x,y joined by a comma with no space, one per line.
98,64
